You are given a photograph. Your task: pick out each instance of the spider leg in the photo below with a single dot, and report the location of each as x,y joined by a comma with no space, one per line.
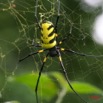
36,88
36,17
57,16
39,51
81,54
60,42
66,76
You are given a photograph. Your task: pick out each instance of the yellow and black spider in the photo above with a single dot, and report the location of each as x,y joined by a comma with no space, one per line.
49,43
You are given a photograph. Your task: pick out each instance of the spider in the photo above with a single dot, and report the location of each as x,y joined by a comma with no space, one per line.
49,43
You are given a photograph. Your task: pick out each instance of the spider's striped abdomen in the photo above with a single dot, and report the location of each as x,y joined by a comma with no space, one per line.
48,35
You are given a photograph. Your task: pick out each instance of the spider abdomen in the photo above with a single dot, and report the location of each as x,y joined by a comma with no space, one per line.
48,35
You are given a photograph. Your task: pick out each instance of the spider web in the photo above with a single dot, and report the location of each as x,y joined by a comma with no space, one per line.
19,32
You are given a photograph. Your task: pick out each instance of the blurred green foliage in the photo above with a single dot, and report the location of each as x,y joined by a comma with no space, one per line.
17,31
22,86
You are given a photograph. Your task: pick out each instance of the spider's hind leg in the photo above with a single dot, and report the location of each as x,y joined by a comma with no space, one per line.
66,76
36,88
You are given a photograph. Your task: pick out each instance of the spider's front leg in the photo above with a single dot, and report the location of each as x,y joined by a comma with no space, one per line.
39,51
78,53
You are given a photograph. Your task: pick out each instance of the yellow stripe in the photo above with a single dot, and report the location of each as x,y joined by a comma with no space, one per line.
60,42
45,59
46,39
60,58
62,49
56,35
40,51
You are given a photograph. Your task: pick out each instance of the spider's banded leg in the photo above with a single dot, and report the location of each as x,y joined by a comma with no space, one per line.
36,6
81,54
57,16
60,42
65,38
66,76
39,51
36,88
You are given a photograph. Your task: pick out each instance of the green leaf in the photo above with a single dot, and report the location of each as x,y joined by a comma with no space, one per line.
80,87
47,88
15,91
86,88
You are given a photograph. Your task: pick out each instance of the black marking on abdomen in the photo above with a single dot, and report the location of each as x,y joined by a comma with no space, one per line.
52,33
51,41
51,26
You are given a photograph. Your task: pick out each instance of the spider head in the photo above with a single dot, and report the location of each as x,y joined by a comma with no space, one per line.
46,24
